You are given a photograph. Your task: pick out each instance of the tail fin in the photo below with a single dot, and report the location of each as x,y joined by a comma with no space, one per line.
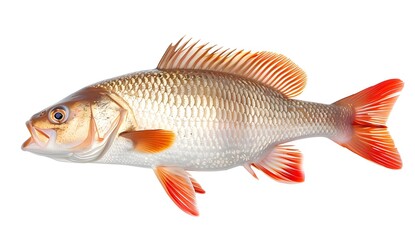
371,138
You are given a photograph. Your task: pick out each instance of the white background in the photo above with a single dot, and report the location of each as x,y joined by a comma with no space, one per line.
49,50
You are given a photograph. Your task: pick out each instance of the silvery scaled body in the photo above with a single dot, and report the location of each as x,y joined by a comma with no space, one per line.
220,120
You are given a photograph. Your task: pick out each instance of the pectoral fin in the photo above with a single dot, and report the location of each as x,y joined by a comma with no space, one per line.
180,187
150,141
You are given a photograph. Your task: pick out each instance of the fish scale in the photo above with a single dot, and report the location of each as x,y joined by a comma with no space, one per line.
243,128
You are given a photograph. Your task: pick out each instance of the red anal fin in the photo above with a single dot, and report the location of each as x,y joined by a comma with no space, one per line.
150,141
179,187
282,164
370,137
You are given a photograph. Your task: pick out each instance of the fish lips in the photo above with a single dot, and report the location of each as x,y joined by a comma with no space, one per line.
34,142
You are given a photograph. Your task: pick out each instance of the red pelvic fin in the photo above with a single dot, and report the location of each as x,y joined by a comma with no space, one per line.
180,188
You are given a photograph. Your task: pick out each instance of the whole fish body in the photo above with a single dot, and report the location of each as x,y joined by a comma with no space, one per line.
204,109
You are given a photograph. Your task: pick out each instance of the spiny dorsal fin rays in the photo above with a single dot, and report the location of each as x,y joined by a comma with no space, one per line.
272,69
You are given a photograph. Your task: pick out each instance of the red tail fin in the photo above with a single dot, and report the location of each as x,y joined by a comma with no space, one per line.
371,138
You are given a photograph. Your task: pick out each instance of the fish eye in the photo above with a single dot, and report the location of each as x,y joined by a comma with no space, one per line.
58,114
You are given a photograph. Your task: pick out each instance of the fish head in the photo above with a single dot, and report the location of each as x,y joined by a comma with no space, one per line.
79,128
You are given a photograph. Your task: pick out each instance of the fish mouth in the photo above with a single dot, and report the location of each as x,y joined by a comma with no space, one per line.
39,138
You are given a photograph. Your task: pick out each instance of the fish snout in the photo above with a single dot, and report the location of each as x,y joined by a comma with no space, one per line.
38,137
29,141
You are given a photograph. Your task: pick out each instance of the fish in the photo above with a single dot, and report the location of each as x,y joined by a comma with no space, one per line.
206,108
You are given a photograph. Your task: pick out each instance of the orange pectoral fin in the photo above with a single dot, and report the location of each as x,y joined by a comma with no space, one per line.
180,187
150,141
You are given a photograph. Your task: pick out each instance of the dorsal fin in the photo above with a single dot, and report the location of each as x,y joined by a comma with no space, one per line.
272,69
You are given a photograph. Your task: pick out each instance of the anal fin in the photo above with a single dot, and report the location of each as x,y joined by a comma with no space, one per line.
283,164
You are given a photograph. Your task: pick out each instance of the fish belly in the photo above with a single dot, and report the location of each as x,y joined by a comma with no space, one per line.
220,120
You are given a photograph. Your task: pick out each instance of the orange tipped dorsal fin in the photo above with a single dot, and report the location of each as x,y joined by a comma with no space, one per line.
179,185
272,69
370,137
282,164
150,141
